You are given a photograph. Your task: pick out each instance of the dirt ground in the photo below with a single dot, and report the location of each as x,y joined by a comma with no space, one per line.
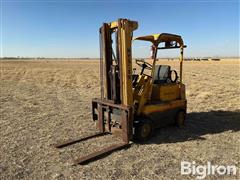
44,102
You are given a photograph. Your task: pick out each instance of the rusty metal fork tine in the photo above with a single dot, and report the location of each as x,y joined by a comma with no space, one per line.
70,142
101,153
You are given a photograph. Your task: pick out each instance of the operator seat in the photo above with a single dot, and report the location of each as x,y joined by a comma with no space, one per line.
161,74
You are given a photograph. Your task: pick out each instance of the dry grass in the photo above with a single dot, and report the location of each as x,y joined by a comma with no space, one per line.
43,102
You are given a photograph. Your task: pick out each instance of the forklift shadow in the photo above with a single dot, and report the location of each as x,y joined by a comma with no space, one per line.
197,125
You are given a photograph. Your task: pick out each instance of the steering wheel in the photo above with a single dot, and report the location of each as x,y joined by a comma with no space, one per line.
143,64
174,77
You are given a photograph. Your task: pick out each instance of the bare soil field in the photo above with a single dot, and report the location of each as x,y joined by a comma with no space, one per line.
44,102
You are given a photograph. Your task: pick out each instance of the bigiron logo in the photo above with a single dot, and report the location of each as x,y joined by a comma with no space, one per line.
202,171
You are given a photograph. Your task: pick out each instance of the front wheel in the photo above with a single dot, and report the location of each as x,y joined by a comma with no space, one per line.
143,131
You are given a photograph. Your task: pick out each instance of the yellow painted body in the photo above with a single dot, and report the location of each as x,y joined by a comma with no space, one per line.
163,97
126,29
166,92
167,95
149,97
164,106
140,93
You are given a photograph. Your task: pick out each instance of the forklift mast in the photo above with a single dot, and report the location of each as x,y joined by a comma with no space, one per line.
116,62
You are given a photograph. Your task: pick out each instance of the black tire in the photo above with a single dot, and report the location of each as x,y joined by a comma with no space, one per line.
143,131
180,118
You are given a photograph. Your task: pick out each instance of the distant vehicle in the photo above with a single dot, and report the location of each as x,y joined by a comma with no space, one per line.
197,59
215,59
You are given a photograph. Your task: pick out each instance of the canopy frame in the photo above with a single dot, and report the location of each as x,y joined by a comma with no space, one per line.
168,39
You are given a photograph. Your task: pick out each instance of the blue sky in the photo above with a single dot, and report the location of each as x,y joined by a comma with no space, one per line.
70,28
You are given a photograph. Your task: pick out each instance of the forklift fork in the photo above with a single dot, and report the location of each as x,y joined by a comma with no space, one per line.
74,141
105,127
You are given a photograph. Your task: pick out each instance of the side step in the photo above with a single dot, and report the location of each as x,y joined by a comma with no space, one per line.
98,154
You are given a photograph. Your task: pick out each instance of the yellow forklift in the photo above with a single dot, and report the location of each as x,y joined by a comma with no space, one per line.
133,105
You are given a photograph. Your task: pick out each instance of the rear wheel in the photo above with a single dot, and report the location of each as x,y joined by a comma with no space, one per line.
180,118
143,131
